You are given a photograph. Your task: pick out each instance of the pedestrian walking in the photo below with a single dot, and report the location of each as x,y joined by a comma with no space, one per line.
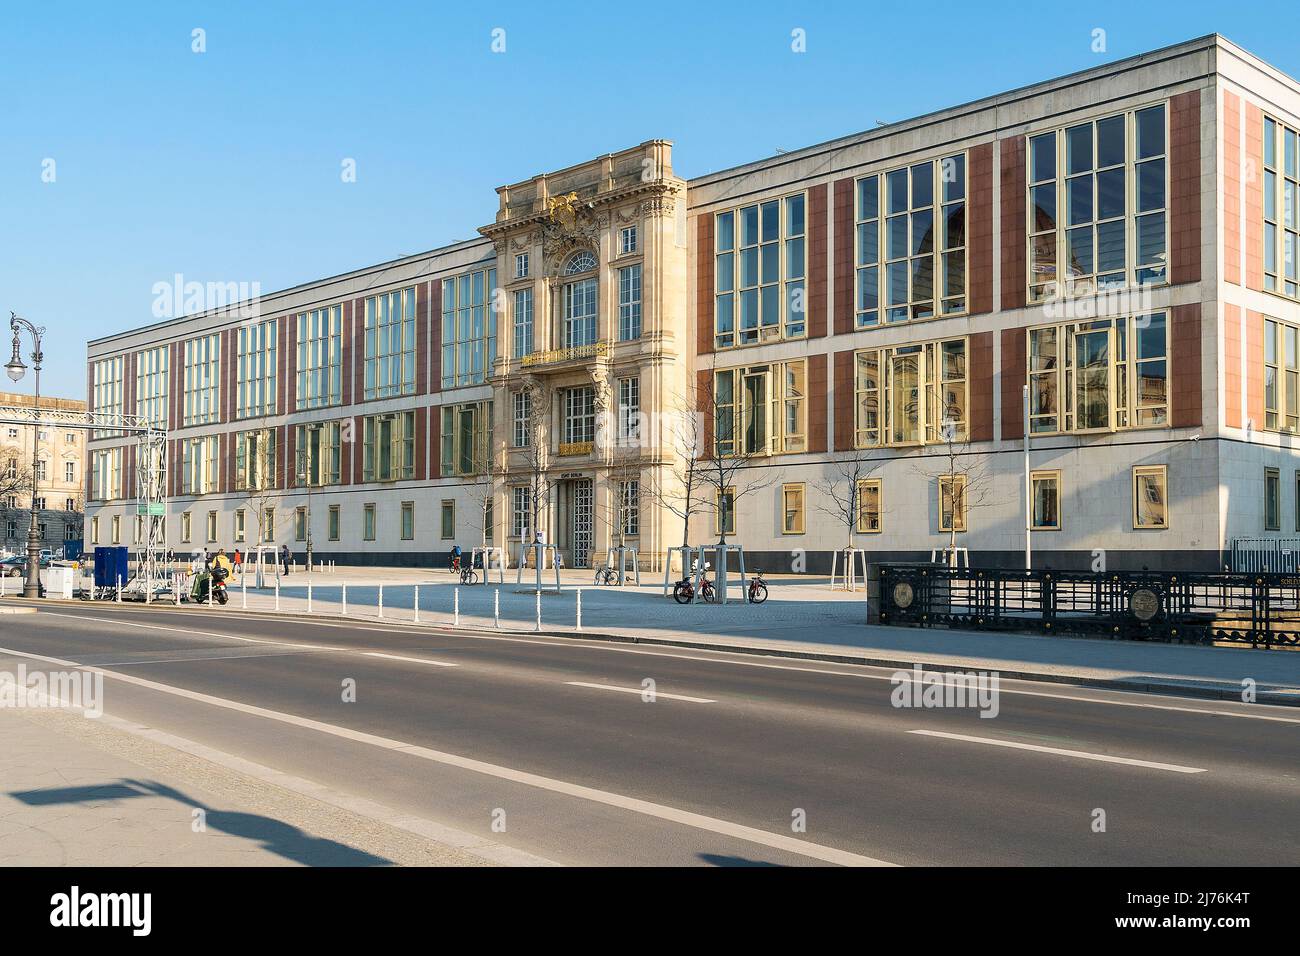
284,558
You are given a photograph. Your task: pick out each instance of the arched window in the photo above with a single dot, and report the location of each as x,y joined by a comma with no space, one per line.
583,261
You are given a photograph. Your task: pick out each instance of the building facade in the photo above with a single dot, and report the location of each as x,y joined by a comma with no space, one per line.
826,345
59,471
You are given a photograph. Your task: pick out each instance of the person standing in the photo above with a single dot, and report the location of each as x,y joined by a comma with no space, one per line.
239,562
284,557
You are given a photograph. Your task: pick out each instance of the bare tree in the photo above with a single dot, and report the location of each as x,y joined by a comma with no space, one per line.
482,492
841,496
260,478
963,479
536,460
15,478
730,471
679,487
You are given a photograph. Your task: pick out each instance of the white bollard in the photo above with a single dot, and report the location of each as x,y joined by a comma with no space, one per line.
455,607
118,599
210,588
243,591
579,627
2,584
277,594
381,600
308,595
417,604
538,627
344,611
496,607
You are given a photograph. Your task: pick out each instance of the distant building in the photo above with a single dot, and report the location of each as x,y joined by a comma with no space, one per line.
60,477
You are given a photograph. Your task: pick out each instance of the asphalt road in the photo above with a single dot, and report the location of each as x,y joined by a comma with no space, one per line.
551,740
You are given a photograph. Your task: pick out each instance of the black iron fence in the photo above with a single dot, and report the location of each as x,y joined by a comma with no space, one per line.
1199,607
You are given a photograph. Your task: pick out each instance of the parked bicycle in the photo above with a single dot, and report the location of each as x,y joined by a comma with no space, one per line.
684,591
606,576
757,588
468,576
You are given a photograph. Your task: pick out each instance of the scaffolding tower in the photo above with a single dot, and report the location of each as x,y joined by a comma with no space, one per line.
151,571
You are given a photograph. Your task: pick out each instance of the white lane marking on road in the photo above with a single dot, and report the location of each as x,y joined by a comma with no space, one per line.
640,690
183,630
190,660
413,660
776,841
1082,754
651,652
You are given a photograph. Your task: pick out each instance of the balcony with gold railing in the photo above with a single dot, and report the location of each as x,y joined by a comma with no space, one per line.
560,356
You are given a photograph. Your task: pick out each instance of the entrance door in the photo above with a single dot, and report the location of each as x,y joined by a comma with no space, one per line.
582,522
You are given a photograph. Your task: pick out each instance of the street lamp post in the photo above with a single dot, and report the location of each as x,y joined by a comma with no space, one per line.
16,370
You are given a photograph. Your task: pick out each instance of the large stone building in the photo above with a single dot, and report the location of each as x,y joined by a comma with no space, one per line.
863,314
60,476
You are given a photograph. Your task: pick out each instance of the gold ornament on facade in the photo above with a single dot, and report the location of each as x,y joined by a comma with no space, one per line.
563,211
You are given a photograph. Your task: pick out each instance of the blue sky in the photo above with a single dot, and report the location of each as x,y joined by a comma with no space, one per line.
225,166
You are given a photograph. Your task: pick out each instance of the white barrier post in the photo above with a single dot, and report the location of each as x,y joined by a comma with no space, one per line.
277,592
455,607
417,604
381,600
2,584
243,591
579,627
496,607
344,611
309,595
210,588
538,626
118,599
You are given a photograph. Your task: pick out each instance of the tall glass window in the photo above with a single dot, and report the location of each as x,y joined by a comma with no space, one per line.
256,369
390,344
320,358
578,304
388,447
202,380
106,395
759,272
911,394
151,385
320,452
466,430
523,323
1281,217
469,327
629,303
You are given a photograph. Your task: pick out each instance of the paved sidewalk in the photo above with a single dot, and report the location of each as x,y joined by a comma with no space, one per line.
76,791
802,617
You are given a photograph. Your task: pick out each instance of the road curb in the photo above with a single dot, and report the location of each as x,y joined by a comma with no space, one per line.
1138,685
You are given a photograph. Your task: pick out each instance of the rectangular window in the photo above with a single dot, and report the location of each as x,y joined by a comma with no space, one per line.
202,380
469,327
319,450
1101,375
390,344
448,523
466,431
521,415
408,520
792,502
41,467
185,527
521,266
1046,487
627,240
151,385
629,497
69,471
869,505
368,522
388,447
212,526
724,512
579,422
239,526
1272,500
519,511
910,243
761,409
320,358
629,411
332,525
523,323
1150,497
94,529
268,526
1096,204
760,264
106,474
256,465
911,394
1281,377
1281,217
106,393
629,303
116,526
255,365
578,318
952,503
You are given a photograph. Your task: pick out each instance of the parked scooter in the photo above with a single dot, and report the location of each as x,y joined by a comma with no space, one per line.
215,579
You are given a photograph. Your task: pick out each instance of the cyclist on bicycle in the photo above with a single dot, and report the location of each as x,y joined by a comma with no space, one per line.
455,558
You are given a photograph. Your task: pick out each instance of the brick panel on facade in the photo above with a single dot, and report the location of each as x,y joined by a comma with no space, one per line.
421,442
1232,366
1185,187
358,350
817,265
817,398
1013,222
290,387
435,334
1013,382
175,384
1231,188
1255,368
358,435
979,375
422,336
704,283
128,471
1185,383
842,400
704,405
282,346
290,468
979,235
345,353
1255,198
128,384
227,376
843,256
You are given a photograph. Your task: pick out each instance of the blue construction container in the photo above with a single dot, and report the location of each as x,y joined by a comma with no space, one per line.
111,566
